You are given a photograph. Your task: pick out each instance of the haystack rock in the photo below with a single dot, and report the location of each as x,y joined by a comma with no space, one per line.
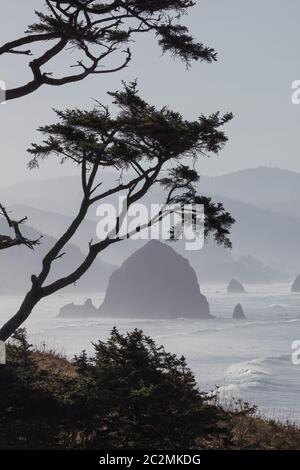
79,311
296,285
235,287
155,282
238,313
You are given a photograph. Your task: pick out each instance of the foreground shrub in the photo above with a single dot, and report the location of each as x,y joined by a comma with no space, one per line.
131,394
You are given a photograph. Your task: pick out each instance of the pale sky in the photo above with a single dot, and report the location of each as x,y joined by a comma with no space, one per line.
259,58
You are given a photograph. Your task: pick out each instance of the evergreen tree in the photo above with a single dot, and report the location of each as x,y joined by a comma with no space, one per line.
137,395
100,32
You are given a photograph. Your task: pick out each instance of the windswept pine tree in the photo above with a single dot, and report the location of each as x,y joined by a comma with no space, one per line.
144,147
99,32
159,146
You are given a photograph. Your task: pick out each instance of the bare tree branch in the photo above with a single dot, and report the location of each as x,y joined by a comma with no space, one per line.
18,239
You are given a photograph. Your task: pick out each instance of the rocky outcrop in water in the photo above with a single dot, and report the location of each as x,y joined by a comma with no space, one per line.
296,285
79,311
156,283
235,287
238,313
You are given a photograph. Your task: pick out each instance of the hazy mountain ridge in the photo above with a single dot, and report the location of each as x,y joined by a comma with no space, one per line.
212,263
19,263
54,224
270,237
262,185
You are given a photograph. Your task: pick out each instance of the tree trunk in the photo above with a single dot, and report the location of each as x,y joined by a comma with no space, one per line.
28,304
37,293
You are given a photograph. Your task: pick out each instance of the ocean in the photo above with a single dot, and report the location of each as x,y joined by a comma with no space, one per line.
249,360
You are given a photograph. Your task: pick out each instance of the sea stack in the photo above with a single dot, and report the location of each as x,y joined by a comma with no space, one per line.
238,313
79,311
296,285
156,283
235,287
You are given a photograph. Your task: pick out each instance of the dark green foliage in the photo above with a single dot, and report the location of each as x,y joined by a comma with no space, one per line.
22,348
101,34
108,25
148,397
174,39
139,131
131,394
31,400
